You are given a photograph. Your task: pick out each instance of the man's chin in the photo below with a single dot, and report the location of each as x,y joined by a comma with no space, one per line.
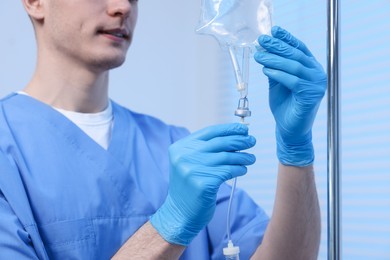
108,64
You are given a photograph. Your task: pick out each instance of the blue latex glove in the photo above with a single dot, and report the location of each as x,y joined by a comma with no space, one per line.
200,163
297,84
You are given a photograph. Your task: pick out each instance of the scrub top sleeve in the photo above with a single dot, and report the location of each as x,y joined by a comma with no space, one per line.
15,242
248,223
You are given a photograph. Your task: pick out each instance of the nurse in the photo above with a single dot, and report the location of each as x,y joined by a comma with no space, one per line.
82,177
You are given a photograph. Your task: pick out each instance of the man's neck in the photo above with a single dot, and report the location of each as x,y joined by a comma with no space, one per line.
72,88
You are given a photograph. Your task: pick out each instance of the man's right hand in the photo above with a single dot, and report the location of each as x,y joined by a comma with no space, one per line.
200,163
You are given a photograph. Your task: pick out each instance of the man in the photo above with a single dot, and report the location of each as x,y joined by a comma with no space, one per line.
84,178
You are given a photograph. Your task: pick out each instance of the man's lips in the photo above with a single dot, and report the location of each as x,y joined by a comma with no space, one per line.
117,33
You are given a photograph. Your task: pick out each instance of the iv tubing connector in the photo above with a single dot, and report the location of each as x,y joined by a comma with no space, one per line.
231,252
243,108
241,87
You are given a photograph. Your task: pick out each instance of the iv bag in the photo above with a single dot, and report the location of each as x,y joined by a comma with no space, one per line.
236,23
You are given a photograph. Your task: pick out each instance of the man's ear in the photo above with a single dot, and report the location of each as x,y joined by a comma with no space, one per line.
34,8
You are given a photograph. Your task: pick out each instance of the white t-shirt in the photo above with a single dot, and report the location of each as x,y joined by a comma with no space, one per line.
98,126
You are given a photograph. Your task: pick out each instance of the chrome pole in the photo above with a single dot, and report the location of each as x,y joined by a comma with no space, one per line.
334,171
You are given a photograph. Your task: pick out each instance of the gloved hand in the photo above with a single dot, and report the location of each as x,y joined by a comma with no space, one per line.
200,163
297,83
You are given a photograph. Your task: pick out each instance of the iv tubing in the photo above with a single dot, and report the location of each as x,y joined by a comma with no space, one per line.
236,66
242,76
230,209
241,73
245,70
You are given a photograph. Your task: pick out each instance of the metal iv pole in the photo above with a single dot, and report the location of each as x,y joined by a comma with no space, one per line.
334,169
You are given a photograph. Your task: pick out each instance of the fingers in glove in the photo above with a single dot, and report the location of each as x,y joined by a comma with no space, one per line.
208,176
297,85
227,172
289,66
229,158
211,132
289,81
229,143
288,38
280,48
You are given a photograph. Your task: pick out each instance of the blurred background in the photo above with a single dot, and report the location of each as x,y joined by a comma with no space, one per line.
187,79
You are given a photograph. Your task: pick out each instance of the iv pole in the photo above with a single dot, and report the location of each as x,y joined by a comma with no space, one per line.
334,171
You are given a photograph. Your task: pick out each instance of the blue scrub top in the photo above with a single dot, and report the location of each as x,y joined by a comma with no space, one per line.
62,196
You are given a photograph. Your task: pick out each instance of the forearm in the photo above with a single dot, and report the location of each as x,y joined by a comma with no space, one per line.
146,243
295,227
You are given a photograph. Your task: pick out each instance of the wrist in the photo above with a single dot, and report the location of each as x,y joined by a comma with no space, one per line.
172,226
299,154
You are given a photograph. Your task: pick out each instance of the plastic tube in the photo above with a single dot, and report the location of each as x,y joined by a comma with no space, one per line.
237,70
245,69
231,252
241,72
230,209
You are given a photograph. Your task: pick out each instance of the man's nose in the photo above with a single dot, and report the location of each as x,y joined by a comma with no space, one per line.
119,8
